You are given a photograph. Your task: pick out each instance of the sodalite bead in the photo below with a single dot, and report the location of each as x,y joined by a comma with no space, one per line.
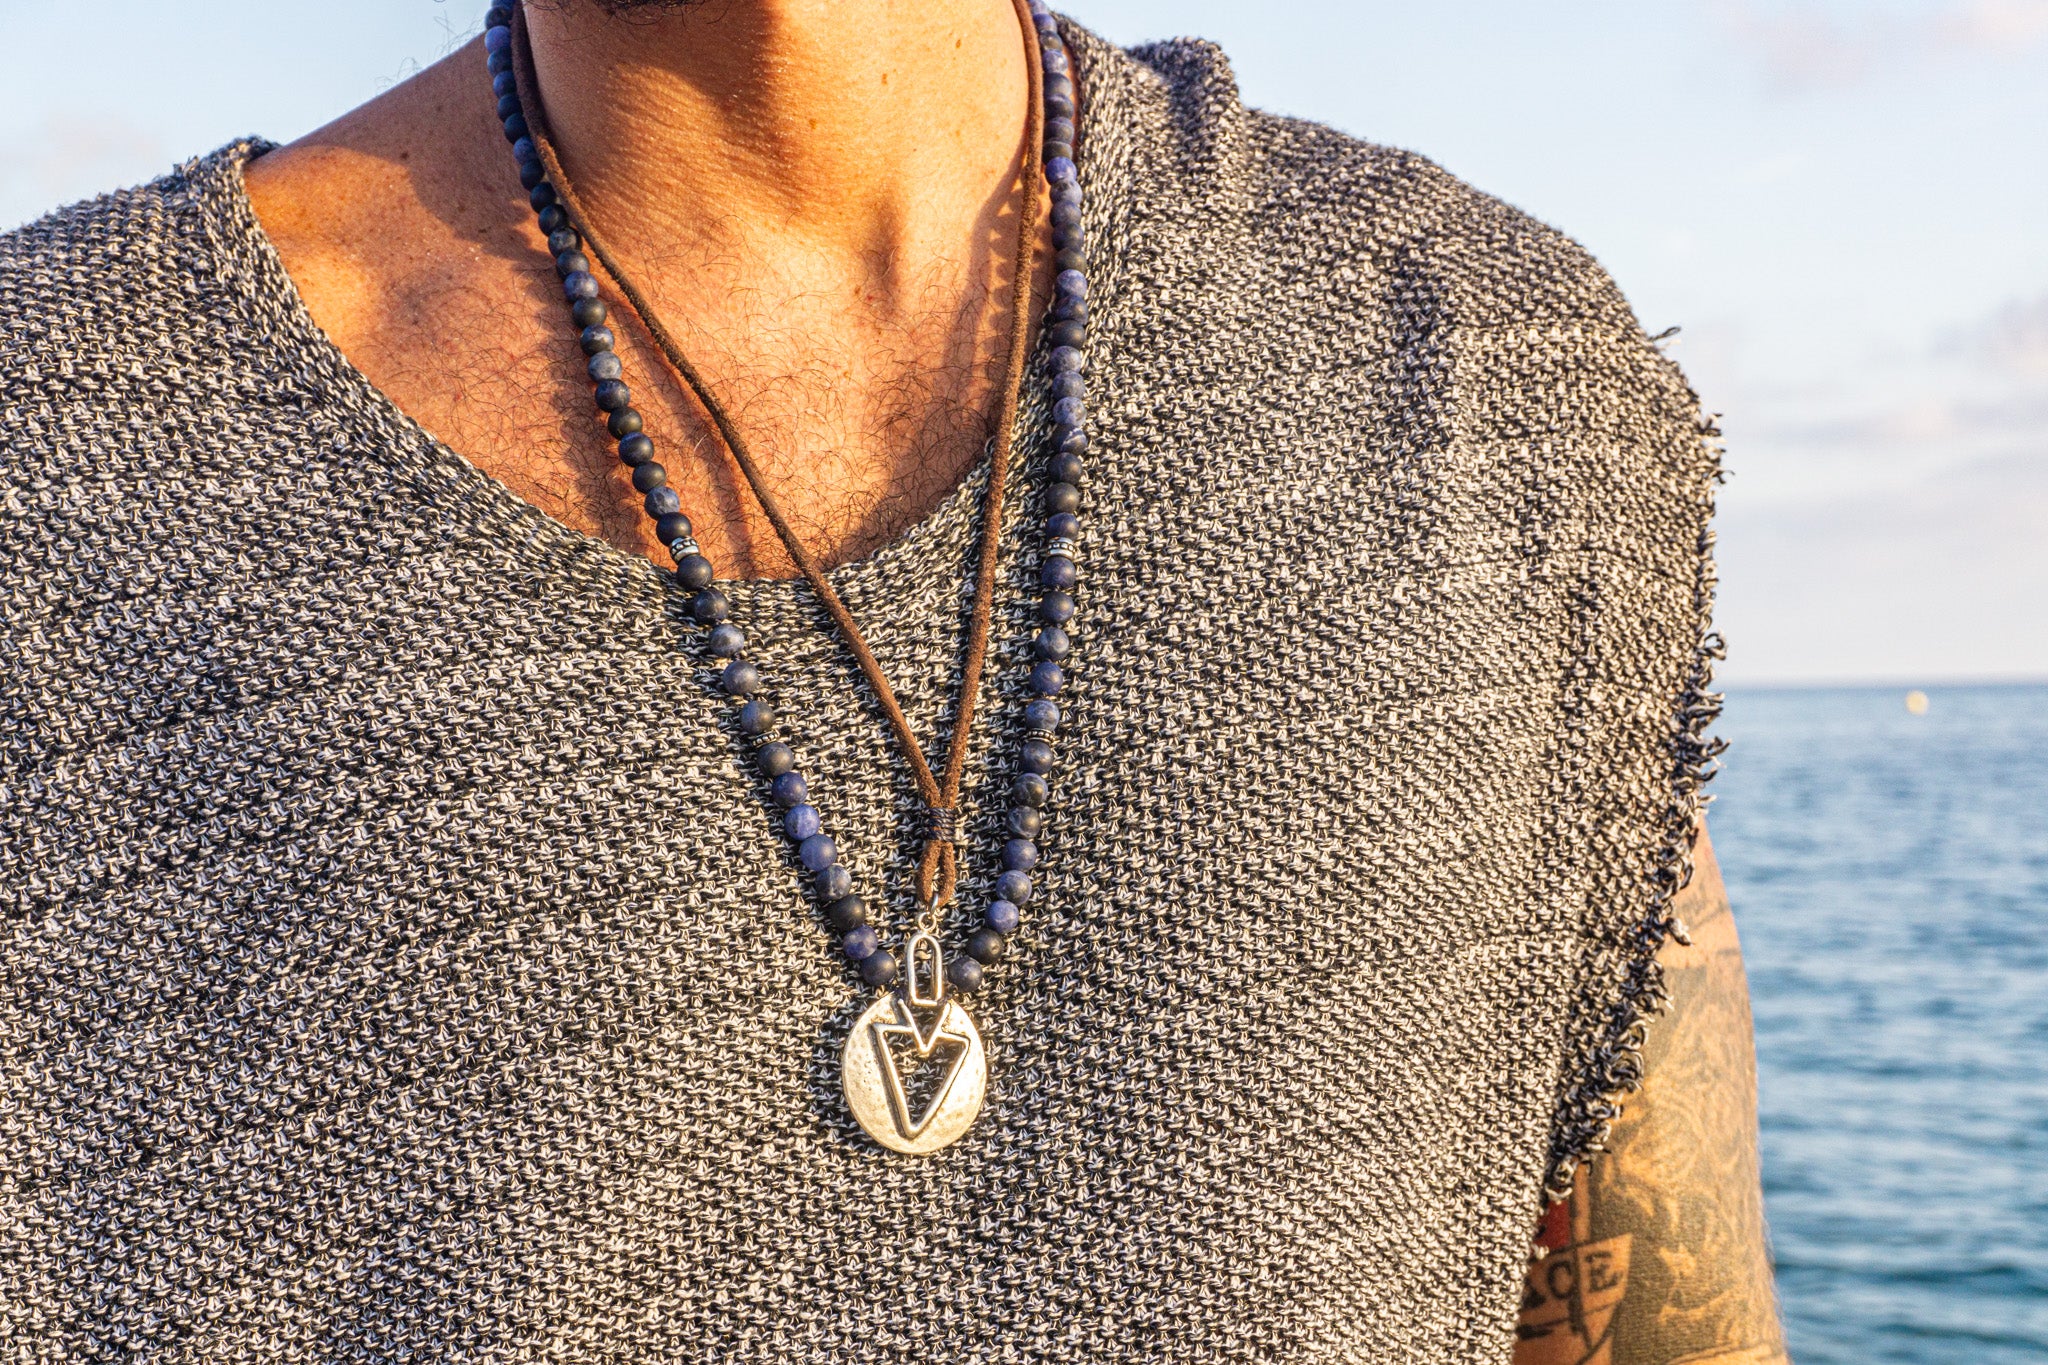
1056,607
604,365
524,150
1052,644
579,284
588,312
504,83
775,759
1024,822
1035,756
1065,217
710,607
624,422
847,912
964,974
1062,170
508,105
1062,497
636,448
756,717
1058,572
515,127
834,882
726,641
1067,468
1014,887
790,789
612,395
1029,789
1071,284
595,339
1002,917
648,477
1066,360
1068,333
552,219
818,852
670,527
799,822
694,573
1069,386
569,262
860,942
662,501
1043,714
1047,678
742,679
986,945
1069,412
533,176
878,969
1020,855
497,38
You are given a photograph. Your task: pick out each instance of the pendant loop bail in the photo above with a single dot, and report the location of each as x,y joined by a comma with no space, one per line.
925,988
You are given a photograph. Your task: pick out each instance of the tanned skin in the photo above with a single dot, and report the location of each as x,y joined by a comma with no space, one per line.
819,196
1663,1255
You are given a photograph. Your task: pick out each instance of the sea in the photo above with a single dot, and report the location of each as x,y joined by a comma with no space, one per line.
1889,872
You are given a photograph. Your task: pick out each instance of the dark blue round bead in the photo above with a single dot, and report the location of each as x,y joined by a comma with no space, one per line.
964,975
543,195
1072,441
1047,678
579,284
800,822
1068,386
1063,526
847,912
1020,855
508,105
612,395
596,339
1002,917
1054,59
790,788
498,61
1056,607
504,83
986,945
648,477
1066,360
1052,643
818,852
1053,151
834,882
1069,412
1067,308
661,501
625,422
727,641
569,262
515,127
1062,167
1067,468
553,219
694,572
1029,789
1068,334
497,38
1043,714
1014,887
1071,283
742,679
1067,252
1065,218
588,312
1062,497
755,717
604,365
563,239
532,175
671,527
710,607
1058,572
1059,132
1024,822
775,759
524,150
1035,756
878,969
861,942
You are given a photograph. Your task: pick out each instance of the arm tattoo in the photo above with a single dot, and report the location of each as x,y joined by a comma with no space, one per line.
1660,1256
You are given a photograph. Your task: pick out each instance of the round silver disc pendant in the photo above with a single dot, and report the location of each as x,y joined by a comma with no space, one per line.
914,1075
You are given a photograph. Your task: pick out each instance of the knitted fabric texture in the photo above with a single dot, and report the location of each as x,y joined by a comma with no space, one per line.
399,962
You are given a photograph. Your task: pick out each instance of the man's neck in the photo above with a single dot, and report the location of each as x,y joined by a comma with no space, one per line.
818,196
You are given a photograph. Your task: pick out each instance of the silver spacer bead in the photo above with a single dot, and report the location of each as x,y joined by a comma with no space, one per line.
1061,546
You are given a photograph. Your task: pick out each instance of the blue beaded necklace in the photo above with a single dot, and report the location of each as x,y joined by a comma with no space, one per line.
913,1067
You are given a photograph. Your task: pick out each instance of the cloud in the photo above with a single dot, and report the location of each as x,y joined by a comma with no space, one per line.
64,156
2013,340
1799,45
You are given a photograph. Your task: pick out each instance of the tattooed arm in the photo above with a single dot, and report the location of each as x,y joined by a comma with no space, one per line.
1659,1257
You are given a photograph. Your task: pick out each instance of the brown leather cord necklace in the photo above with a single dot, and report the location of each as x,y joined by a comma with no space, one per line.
938,866
913,1066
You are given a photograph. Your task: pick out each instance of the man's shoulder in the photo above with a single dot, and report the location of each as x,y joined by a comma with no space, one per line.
1312,197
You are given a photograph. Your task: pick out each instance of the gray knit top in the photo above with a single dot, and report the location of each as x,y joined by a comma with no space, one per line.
398,961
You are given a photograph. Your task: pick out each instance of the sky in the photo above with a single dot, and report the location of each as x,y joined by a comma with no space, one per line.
1843,204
